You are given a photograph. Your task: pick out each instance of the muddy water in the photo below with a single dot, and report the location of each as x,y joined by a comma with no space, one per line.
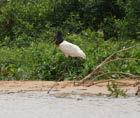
42,105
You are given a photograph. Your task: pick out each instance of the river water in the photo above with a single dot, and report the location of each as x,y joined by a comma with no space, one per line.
42,105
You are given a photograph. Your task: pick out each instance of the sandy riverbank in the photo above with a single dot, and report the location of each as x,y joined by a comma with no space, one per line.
68,87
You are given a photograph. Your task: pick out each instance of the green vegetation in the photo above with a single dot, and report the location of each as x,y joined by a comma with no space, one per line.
100,28
114,90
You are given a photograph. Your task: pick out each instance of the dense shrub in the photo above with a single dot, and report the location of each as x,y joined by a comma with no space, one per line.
43,61
22,18
77,15
27,28
133,19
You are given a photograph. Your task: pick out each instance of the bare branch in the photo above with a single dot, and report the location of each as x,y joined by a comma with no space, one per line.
123,59
122,73
107,60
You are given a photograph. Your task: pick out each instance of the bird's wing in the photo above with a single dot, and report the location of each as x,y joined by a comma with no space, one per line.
68,47
71,49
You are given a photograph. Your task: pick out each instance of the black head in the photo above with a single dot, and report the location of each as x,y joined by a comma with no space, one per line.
58,38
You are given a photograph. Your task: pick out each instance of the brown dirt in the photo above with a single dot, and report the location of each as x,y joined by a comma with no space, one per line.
90,87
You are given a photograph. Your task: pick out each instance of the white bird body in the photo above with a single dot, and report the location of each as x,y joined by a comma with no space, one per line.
72,50
68,48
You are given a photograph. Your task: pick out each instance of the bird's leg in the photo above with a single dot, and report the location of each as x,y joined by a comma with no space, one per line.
70,63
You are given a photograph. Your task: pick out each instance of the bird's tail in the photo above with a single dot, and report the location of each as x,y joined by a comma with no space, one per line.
83,55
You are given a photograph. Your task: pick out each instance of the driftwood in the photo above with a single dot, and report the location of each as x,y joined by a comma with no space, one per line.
106,61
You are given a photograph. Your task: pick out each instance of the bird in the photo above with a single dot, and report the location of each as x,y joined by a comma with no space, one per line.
69,49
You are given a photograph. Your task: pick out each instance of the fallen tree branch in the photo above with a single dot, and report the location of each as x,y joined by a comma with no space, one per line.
107,60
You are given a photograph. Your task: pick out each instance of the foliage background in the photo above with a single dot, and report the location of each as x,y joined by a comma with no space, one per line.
99,27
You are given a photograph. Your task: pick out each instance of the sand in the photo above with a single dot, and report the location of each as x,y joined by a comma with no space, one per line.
67,87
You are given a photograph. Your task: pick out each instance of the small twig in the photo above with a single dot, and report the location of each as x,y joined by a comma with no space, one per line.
55,84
